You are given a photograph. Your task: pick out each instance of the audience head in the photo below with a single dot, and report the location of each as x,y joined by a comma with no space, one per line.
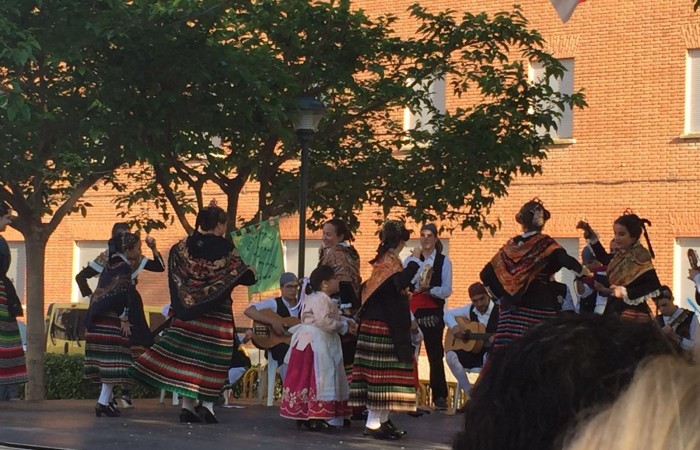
659,411
535,387
533,215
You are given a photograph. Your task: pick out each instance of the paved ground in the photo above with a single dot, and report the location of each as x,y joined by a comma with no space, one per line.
71,424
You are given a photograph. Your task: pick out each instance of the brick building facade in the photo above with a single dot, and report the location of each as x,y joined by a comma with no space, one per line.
633,147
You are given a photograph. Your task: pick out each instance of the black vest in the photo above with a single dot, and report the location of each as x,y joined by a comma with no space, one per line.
282,310
436,279
683,328
492,324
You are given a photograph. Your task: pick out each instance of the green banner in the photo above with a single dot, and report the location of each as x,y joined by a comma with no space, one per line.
260,246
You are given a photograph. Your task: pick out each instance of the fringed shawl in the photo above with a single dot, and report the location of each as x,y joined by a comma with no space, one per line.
345,260
629,264
197,282
112,291
382,270
519,261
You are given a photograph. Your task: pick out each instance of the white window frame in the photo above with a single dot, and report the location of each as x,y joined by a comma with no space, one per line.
17,272
83,252
692,92
290,247
437,89
564,85
683,288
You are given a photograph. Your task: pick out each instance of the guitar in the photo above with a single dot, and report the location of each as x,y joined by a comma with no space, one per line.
477,336
693,259
263,335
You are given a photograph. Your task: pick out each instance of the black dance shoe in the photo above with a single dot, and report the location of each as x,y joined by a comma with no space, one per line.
187,416
389,425
383,432
205,415
106,410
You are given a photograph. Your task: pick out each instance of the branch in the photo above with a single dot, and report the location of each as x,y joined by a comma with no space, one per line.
161,179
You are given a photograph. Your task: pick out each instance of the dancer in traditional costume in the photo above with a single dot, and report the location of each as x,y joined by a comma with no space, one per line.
315,388
520,275
13,371
633,279
96,267
115,322
192,357
382,375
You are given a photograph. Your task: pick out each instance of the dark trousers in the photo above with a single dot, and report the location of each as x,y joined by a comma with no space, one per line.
432,326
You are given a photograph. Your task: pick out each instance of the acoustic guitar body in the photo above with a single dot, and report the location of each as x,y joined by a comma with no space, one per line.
477,336
263,335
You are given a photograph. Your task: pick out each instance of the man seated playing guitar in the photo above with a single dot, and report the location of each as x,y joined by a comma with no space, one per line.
483,311
679,324
287,305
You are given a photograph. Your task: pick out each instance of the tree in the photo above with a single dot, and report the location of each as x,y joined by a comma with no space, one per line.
263,54
57,136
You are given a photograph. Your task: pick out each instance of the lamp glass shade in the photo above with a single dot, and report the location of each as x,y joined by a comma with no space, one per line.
308,113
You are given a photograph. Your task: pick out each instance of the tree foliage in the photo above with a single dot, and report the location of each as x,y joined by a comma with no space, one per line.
235,72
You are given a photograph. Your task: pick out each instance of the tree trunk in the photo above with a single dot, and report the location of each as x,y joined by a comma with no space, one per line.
35,244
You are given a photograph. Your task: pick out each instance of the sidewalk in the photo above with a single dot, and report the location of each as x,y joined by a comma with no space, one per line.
71,424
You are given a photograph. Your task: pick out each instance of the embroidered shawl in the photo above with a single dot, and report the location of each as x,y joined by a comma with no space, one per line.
628,264
197,281
345,260
382,270
519,261
112,291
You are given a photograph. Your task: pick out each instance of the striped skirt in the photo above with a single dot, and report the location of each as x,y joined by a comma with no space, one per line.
514,323
379,380
13,369
107,351
192,357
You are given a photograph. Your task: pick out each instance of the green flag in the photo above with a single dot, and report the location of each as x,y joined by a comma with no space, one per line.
260,247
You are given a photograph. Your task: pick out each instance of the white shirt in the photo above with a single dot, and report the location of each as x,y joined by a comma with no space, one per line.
686,344
271,303
443,291
450,315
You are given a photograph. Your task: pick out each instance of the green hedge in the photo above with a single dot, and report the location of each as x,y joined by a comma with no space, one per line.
63,379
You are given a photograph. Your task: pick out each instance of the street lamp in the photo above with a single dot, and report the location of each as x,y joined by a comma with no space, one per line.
306,117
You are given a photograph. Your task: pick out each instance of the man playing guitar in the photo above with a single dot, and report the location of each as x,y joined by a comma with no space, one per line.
679,324
287,305
481,310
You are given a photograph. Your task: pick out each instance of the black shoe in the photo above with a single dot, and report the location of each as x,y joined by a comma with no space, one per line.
205,415
381,433
106,410
392,428
440,404
461,410
187,416
126,401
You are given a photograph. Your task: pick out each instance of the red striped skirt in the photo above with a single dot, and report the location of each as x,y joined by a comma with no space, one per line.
107,351
514,323
13,369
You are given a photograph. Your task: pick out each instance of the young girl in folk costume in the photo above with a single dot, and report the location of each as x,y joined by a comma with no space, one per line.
315,387
192,357
520,275
13,370
115,322
97,266
382,375
631,273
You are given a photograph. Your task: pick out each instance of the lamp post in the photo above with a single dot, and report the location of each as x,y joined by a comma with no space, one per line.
307,115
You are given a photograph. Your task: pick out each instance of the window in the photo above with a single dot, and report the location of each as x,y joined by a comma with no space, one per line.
290,247
436,91
692,92
85,251
18,267
683,288
564,85
565,275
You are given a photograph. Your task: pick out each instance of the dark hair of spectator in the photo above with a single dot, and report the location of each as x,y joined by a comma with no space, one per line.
341,229
318,276
536,388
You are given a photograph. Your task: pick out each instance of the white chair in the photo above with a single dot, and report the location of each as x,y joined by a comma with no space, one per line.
458,390
271,380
